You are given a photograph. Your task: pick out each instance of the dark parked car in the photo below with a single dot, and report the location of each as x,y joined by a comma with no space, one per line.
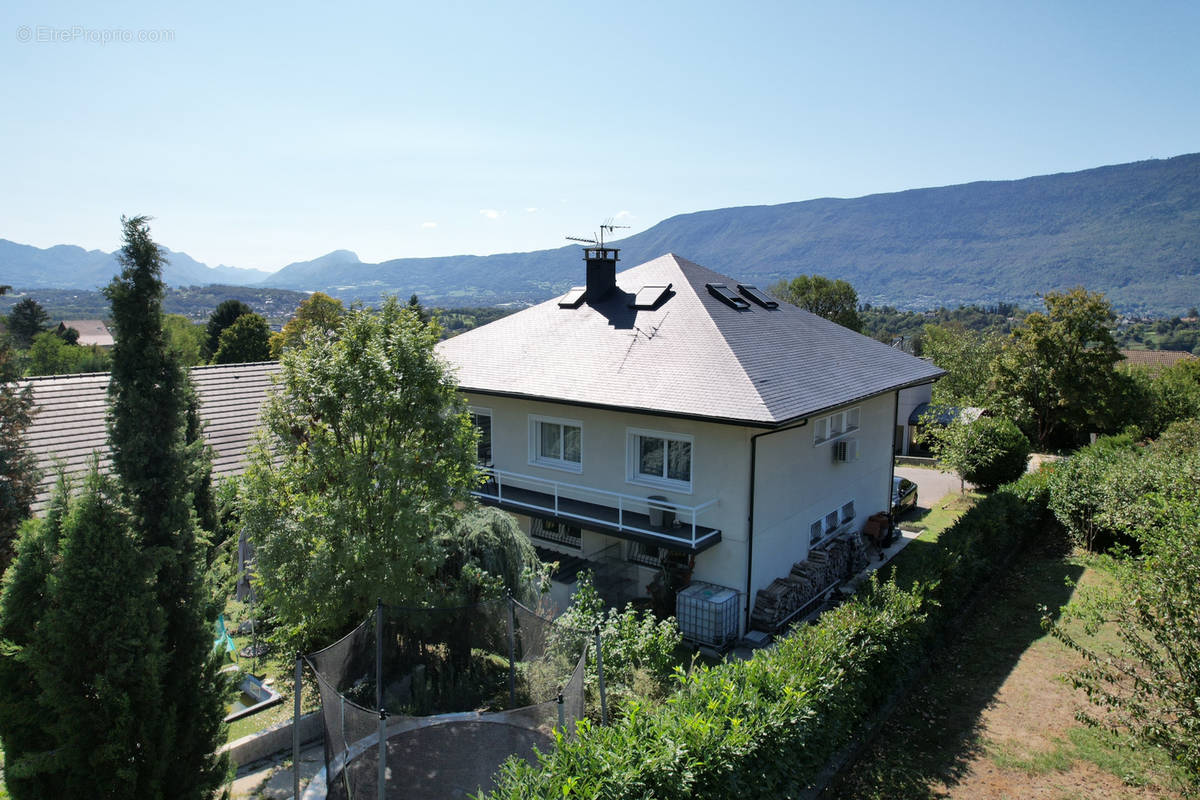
904,496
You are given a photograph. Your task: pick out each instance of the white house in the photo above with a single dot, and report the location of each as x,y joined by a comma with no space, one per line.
670,414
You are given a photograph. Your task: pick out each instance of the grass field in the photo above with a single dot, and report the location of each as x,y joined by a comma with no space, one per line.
992,718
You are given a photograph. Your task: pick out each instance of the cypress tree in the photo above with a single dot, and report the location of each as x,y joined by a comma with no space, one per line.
98,652
18,467
108,683
24,602
156,472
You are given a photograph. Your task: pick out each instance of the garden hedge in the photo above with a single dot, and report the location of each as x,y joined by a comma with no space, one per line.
766,727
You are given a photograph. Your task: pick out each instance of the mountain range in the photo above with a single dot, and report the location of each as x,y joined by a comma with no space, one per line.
1131,231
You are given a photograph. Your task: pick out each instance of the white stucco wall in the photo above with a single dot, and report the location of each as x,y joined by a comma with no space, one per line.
720,471
796,481
909,399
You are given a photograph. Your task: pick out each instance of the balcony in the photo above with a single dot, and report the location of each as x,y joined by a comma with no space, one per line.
624,515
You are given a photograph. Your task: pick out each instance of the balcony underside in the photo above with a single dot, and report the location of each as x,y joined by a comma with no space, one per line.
603,519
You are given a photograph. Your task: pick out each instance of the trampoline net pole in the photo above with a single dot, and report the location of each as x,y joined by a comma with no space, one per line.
600,675
512,654
382,778
296,729
382,792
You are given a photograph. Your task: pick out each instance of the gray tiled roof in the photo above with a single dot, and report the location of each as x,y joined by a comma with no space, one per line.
69,419
693,356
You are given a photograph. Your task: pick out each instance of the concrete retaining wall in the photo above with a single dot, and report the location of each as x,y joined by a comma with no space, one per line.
275,739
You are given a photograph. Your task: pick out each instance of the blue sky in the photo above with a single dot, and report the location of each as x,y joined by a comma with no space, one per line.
258,136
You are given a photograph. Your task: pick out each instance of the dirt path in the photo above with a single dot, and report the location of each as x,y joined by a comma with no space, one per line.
992,720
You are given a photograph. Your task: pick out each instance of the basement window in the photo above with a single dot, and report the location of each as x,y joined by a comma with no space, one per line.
556,443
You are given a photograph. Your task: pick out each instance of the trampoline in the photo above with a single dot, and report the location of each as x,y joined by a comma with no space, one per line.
461,691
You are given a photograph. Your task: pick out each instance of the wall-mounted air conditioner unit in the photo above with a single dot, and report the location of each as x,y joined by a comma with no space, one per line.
845,450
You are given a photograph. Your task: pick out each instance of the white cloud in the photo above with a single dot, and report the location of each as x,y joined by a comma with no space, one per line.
623,215
491,213
530,210
428,225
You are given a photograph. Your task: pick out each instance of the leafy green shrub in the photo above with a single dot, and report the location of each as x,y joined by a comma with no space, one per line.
1088,486
638,650
1146,684
1004,452
987,451
759,728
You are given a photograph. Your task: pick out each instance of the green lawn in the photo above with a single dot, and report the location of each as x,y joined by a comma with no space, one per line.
992,717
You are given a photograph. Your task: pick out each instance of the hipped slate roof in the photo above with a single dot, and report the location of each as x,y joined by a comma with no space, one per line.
69,422
693,356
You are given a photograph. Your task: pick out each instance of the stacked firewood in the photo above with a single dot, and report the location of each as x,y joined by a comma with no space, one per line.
844,556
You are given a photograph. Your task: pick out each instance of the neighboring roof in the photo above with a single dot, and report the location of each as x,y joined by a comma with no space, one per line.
91,331
692,356
69,422
1156,359
945,414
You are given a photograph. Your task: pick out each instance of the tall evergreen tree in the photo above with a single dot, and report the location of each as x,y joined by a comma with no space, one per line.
18,479
26,320
156,473
221,318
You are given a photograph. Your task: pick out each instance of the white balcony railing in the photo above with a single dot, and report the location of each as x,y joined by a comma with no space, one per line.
626,513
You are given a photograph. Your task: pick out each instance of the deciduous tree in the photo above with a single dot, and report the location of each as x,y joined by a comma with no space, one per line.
185,338
835,300
1055,373
318,312
368,450
221,318
247,339
967,356
986,451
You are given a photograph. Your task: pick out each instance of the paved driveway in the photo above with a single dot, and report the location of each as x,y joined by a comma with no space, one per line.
932,484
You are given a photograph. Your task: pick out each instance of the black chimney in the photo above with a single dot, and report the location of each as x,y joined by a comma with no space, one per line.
601,272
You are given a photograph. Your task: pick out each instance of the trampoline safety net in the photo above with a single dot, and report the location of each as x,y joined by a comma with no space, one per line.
463,689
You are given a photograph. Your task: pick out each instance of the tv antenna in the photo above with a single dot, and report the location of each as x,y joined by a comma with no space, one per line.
598,240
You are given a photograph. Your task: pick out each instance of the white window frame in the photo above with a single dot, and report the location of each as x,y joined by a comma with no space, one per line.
633,460
536,459
478,411
831,523
831,427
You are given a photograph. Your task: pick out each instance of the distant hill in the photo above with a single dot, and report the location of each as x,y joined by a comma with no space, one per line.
69,267
1131,231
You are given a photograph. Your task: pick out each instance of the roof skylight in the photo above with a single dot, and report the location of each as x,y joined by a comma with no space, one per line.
573,298
651,296
725,295
757,296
